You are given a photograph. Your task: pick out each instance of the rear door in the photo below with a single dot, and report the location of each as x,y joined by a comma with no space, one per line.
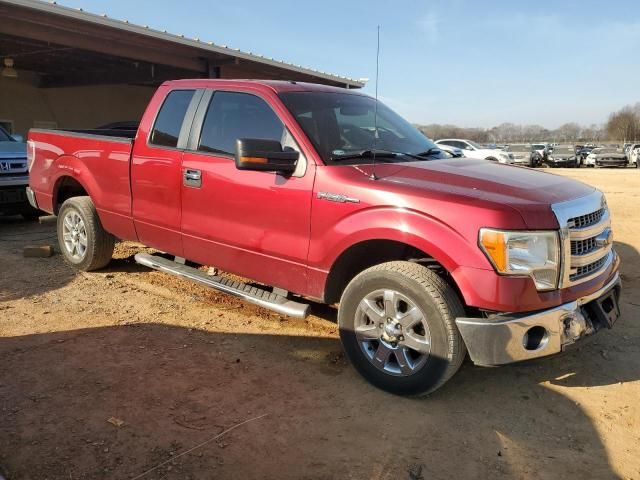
156,168
255,224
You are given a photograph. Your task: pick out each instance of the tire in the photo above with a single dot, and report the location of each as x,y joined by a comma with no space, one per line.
437,304
491,159
98,243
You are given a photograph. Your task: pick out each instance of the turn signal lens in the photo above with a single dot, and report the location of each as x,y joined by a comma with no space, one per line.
253,160
494,246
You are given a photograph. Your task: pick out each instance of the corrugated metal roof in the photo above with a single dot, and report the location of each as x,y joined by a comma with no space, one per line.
80,14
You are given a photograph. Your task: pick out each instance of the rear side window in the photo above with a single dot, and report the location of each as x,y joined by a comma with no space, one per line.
166,130
237,115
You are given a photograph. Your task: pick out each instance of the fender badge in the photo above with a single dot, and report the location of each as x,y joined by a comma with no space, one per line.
337,197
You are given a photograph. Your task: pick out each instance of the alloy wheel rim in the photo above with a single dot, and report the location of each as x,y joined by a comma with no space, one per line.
392,332
74,235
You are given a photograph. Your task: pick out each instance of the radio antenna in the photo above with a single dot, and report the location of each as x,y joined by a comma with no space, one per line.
375,112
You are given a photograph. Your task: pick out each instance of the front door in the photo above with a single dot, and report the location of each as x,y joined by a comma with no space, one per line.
254,224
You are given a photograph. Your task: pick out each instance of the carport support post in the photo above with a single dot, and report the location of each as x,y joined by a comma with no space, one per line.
213,71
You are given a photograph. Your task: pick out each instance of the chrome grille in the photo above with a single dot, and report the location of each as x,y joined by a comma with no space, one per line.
588,269
10,166
585,229
586,220
582,247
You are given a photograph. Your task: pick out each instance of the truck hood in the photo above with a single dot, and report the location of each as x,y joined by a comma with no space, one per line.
13,150
529,192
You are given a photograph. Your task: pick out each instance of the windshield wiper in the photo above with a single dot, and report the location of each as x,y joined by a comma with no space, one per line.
427,153
383,154
365,154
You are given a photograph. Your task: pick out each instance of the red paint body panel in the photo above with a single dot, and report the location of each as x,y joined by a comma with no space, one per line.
276,230
260,224
101,166
156,179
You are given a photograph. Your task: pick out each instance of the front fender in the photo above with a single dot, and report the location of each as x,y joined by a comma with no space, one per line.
428,234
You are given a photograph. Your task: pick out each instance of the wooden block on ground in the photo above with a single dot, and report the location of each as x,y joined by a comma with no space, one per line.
37,251
47,219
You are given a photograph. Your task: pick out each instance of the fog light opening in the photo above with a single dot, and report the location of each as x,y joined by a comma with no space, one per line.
536,338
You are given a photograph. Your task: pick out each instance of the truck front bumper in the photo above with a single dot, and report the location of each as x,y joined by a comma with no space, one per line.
508,338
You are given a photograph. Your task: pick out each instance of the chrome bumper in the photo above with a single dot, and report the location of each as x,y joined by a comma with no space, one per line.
32,198
508,338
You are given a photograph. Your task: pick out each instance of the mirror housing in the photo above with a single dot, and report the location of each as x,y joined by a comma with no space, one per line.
265,156
18,138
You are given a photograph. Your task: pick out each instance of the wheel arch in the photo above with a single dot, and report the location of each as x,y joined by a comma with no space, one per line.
367,253
65,187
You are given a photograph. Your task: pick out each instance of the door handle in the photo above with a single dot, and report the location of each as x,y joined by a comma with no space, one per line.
192,178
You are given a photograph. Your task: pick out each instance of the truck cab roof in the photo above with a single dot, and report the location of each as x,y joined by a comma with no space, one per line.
277,86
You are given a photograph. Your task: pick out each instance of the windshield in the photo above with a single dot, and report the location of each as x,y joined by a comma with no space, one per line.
605,150
4,136
539,146
474,144
344,125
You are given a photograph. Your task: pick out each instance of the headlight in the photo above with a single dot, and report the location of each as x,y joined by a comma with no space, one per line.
536,254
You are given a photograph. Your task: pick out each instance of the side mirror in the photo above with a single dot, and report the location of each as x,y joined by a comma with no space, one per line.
264,156
18,138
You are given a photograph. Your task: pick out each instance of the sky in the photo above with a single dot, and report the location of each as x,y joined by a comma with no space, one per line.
465,62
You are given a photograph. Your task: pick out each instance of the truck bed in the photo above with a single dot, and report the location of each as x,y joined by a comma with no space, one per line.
98,162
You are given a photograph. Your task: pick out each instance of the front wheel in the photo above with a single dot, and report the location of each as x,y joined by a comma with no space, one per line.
397,326
84,243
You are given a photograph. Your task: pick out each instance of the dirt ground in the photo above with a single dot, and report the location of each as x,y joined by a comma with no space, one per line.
110,374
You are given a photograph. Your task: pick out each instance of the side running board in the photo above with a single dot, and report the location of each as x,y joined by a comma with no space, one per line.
255,295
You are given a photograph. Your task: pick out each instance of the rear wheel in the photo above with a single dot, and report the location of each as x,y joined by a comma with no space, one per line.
397,326
84,243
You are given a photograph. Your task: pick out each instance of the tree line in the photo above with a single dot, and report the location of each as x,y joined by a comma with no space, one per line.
622,125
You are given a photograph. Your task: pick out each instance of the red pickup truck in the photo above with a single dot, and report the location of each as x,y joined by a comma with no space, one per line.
320,193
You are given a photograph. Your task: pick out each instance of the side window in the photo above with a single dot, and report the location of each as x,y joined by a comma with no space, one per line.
166,130
237,115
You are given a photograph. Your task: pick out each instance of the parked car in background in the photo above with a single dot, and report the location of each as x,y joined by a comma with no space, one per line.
428,257
562,156
629,151
474,150
14,177
543,149
453,151
582,154
525,154
634,156
607,157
